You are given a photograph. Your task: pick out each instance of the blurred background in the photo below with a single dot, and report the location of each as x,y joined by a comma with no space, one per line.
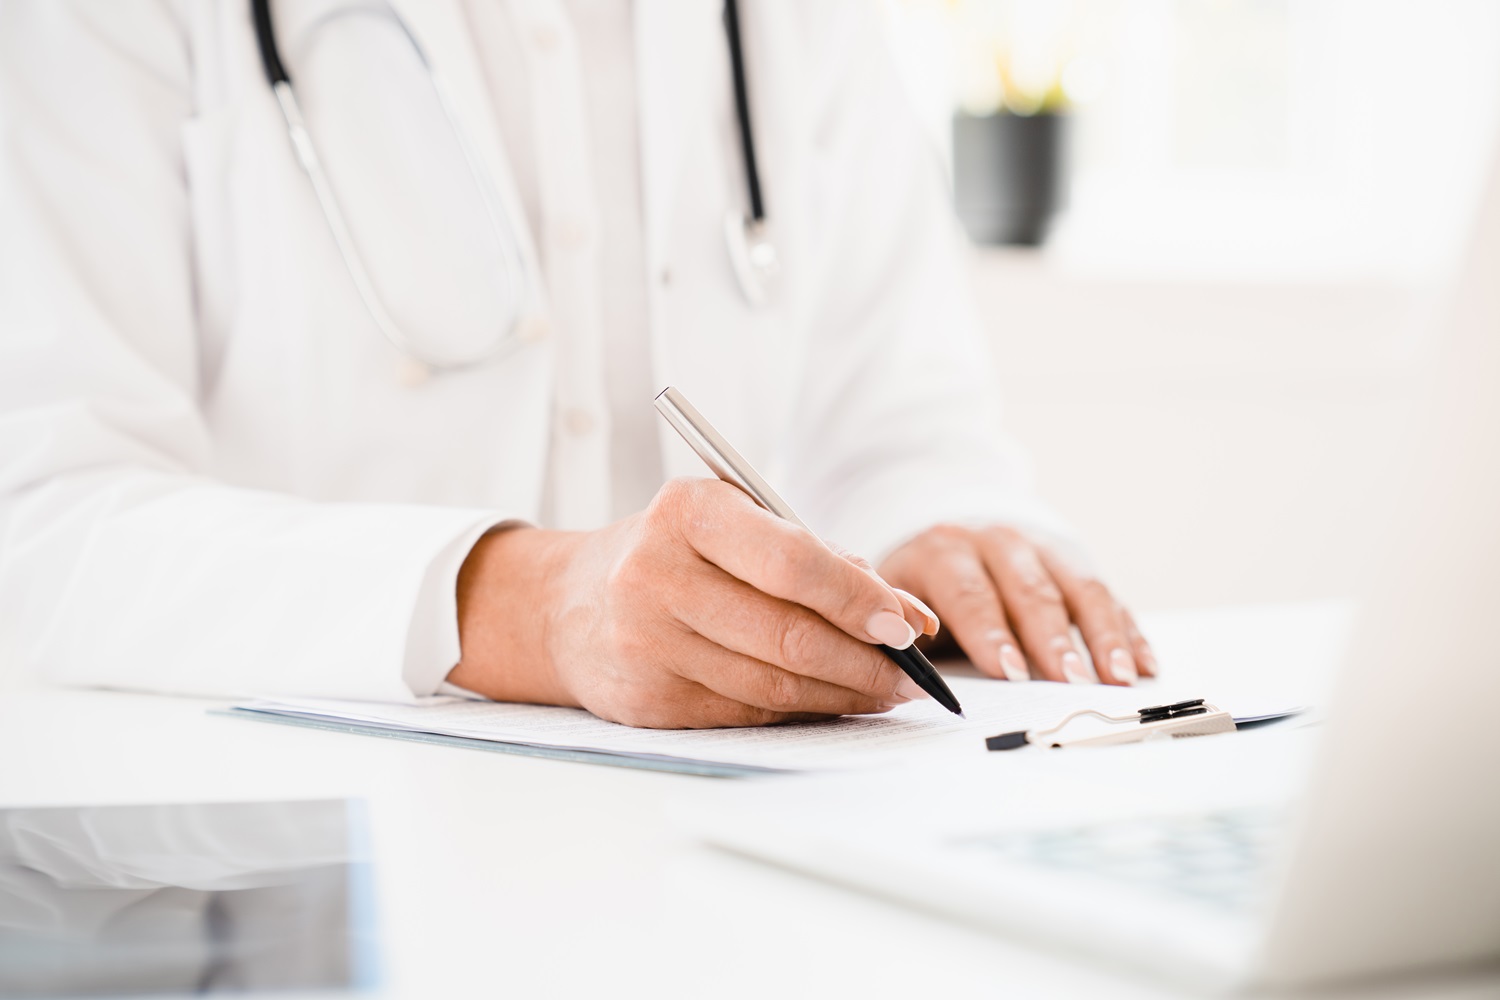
1212,241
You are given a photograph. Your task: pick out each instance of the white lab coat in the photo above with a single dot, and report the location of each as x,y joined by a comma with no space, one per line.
212,478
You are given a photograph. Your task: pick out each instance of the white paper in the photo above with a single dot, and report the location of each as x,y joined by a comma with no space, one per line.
991,706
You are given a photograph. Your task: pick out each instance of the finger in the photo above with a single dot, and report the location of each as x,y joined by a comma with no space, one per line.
1033,604
734,615
1145,656
918,615
954,575
749,681
781,559
1098,617
1114,641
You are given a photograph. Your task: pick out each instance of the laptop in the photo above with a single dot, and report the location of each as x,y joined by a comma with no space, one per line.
1365,847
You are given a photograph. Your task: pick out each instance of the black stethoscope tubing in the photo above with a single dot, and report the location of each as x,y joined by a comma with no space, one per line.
742,108
265,40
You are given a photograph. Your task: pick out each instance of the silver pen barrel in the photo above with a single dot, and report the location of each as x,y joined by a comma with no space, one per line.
719,455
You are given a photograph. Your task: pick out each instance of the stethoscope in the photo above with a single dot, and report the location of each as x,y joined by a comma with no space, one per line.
752,255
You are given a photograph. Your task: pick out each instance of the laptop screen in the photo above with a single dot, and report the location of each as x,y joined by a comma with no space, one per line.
177,899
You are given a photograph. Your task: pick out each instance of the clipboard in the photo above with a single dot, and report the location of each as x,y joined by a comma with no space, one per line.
678,765
1184,718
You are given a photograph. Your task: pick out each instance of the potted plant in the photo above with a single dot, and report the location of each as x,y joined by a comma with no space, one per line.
1010,128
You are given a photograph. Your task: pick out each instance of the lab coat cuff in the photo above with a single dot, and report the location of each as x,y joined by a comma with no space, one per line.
432,641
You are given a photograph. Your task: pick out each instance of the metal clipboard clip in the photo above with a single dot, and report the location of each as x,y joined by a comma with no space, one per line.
1184,718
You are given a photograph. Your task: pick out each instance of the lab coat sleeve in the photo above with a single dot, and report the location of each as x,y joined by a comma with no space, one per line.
898,427
123,561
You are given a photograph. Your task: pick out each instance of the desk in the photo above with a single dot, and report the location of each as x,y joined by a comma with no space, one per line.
514,877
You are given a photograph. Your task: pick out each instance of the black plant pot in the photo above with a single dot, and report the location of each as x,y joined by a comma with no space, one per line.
1008,175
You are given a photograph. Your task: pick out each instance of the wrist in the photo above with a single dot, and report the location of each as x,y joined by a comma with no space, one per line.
505,602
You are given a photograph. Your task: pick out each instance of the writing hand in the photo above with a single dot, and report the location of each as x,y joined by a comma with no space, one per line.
704,610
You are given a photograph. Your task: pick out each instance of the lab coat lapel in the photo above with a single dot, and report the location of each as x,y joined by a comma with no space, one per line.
676,44
708,343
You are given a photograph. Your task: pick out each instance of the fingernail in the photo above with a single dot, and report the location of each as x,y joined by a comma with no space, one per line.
909,690
1122,667
1148,660
932,619
1072,666
891,629
1012,664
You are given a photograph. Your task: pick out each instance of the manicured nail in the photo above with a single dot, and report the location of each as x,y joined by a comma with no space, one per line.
1122,667
890,628
1148,660
932,619
909,690
1072,665
1012,664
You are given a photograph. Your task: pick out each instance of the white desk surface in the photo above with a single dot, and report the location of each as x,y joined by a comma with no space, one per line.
508,876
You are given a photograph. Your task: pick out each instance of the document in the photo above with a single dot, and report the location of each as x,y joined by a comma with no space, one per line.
849,742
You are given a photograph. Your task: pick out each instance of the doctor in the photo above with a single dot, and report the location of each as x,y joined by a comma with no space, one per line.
381,423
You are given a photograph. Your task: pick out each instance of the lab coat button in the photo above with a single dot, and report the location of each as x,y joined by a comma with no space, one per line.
412,373
572,234
534,329
578,421
545,35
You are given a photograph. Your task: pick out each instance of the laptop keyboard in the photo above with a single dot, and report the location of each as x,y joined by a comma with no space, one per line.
1219,858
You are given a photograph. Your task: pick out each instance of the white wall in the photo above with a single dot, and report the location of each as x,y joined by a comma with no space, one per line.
1213,443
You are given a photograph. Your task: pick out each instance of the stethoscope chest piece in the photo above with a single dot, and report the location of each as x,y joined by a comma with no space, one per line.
752,255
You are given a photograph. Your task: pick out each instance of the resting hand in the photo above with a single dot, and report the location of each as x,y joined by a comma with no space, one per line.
1010,604
701,611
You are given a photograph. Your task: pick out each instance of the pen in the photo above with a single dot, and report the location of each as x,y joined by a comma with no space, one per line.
730,466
